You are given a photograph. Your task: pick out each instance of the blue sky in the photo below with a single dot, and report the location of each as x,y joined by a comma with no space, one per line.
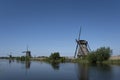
52,25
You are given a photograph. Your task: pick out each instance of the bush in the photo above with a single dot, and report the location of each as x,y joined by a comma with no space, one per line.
103,53
62,59
100,55
92,57
23,58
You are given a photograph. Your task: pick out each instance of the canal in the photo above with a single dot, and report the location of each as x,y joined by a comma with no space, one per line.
35,70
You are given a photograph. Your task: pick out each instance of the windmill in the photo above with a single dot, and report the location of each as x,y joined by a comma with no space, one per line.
82,47
9,55
28,53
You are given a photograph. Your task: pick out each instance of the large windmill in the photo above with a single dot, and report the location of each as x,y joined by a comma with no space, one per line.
82,47
28,53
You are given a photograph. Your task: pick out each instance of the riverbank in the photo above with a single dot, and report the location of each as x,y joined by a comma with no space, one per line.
111,60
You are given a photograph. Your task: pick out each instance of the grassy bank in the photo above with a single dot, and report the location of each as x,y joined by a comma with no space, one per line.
112,61
74,60
62,59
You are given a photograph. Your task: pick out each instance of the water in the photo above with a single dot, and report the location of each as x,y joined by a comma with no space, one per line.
35,70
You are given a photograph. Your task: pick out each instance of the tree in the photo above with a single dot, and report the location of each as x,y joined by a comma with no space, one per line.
103,53
100,55
55,56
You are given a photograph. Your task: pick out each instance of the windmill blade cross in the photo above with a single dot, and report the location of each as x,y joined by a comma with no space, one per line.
76,50
24,52
79,33
77,42
89,47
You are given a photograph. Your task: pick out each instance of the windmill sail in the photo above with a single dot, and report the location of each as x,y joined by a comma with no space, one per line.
77,43
76,50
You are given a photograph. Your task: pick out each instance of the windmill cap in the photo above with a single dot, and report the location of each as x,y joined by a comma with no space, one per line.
83,42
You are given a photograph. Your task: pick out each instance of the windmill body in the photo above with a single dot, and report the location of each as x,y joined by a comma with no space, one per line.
82,48
28,54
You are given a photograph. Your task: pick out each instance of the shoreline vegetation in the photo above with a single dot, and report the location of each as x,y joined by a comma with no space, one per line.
101,55
111,60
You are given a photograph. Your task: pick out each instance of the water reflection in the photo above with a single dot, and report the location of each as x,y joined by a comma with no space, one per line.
11,60
104,67
27,64
55,65
68,71
101,72
82,71
94,72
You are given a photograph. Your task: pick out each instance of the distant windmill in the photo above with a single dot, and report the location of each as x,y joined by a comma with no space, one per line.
10,55
28,53
82,47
